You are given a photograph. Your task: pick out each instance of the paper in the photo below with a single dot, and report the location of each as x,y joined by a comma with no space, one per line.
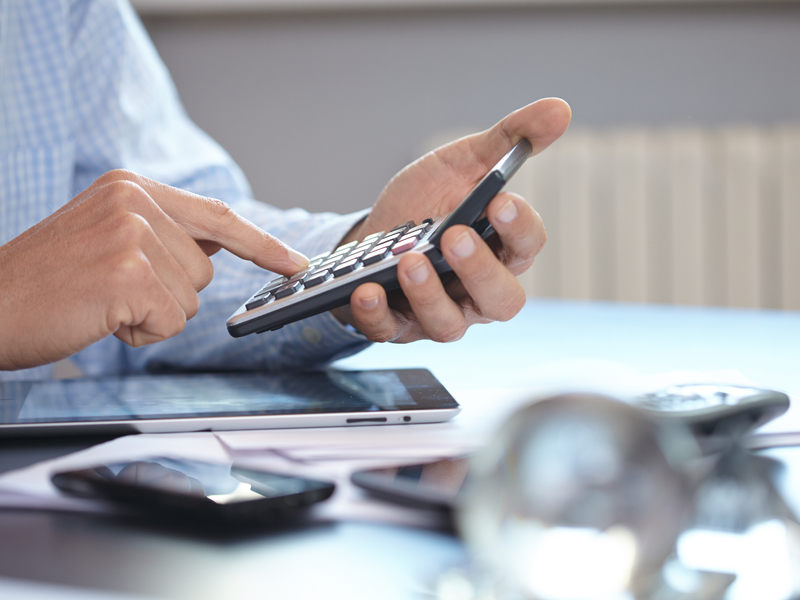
335,453
31,487
325,453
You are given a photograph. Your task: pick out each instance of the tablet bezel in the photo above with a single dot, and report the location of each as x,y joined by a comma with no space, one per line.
433,396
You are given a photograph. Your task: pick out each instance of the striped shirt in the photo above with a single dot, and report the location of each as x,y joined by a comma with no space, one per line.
83,91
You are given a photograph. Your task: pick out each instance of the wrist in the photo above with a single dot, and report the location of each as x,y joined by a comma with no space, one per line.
356,232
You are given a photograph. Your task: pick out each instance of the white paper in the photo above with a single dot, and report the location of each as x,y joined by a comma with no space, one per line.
335,453
31,487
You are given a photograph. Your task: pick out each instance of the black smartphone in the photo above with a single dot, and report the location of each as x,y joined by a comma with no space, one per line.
716,409
331,278
188,490
432,485
708,410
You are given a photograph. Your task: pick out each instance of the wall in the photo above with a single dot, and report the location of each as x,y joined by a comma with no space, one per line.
361,92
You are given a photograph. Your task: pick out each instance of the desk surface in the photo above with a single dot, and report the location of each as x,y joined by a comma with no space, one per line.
369,560
762,345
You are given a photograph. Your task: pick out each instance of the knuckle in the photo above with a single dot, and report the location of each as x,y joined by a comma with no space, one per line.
124,194
541,237
450,332
115,175
381,336
482,273
510,307
131,228
222,217
218,208
119,314
193,306
206,274
375,329
176,325
130,268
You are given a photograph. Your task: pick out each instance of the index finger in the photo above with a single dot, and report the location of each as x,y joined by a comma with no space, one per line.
211,220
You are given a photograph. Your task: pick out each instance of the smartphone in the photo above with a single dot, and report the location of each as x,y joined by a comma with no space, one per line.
708,410
432,485
331,278
188,490
716,409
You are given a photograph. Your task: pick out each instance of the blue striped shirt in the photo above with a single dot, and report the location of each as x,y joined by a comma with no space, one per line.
83,91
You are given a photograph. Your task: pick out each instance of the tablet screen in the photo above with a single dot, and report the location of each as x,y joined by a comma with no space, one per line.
220,395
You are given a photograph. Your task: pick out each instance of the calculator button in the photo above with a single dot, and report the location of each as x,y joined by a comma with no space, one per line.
259,301
345,247
403,228
272,284
419,230
318,261
336,256
346,267
373,236
392,236
319,277
415,235
328,264
355,254
364,246
288,289
376,255
404,245
384,244
383,248
301,276
342,250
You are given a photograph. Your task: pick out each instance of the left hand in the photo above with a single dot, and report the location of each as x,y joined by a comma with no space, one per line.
486,288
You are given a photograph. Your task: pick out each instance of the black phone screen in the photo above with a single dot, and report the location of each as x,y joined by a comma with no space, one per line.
427,485
170,485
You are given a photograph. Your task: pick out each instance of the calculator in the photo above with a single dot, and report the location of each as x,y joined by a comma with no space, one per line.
331,278
716,409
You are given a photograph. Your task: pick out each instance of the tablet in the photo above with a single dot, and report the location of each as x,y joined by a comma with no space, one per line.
222,402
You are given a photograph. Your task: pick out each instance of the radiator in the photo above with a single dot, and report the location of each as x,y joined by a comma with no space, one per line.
687,216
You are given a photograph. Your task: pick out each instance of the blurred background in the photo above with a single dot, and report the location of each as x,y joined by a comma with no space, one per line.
678,181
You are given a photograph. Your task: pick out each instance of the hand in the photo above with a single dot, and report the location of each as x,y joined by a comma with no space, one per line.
126,257
486,288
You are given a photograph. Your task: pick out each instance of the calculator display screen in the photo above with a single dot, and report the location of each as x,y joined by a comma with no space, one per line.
210,395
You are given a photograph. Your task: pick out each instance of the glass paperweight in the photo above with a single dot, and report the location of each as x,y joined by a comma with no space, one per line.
578,497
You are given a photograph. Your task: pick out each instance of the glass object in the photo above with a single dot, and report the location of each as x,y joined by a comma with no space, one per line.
578,497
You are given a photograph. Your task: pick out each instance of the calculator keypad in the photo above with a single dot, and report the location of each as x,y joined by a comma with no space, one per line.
345,259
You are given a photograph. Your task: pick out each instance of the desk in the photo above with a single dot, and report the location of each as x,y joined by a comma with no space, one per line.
357,560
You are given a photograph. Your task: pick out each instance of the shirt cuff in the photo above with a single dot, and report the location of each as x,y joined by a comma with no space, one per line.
330,234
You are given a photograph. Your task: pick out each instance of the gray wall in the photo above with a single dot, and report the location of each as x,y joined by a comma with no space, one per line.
361,92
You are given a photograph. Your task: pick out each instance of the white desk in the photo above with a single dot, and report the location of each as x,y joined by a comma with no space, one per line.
357,560
763,345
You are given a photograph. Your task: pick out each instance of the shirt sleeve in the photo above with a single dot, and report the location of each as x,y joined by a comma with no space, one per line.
127,114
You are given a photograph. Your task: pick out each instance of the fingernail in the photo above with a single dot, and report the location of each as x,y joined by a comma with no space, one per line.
463,245
418,273
507,213
370,302
299,259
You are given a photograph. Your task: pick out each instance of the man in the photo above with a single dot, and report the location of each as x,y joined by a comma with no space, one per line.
87,108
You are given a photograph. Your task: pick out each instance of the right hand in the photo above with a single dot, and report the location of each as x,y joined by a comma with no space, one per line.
126,257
